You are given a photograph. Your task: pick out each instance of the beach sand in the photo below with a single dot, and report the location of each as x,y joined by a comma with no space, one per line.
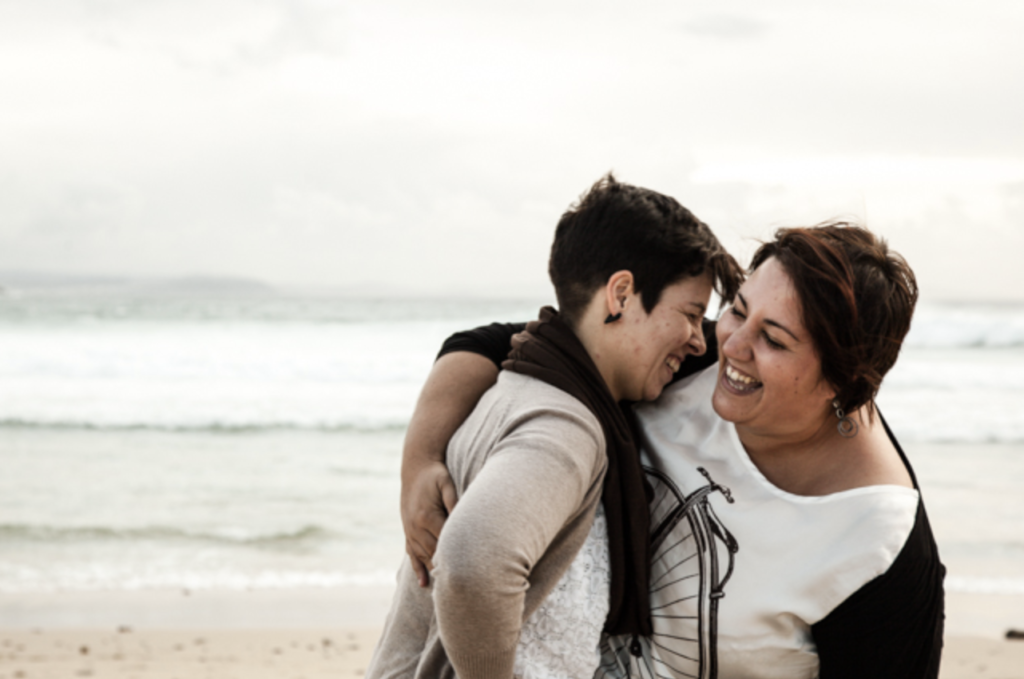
309,654
165,654
969,657
319,633
287,634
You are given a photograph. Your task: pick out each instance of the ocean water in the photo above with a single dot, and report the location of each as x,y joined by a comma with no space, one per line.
165,441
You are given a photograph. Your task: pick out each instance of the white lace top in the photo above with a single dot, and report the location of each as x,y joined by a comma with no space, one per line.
560,640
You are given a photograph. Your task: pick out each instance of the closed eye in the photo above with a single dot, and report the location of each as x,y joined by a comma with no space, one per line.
767,338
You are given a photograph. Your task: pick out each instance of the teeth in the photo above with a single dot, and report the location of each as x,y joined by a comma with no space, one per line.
737,376
673,363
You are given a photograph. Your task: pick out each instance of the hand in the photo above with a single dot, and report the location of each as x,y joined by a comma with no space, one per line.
428,496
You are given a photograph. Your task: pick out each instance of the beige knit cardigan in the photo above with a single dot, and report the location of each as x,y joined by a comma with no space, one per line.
528,465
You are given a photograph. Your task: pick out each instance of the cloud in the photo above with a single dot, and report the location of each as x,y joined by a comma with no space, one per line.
318,211
330,142
863,171
76,211
220,34
725,26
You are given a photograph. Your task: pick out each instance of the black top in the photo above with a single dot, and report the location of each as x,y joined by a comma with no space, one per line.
890,627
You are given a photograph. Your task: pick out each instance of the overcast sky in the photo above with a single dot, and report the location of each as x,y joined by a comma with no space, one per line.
429,147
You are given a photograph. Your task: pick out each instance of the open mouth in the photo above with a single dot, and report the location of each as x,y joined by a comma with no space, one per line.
673,362
739,381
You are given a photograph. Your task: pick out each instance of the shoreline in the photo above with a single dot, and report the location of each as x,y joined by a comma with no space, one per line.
355,606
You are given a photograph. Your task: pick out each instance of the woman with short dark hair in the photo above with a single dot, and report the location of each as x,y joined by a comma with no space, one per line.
548,545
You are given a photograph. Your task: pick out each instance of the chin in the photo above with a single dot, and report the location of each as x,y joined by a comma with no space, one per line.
720,403
653,393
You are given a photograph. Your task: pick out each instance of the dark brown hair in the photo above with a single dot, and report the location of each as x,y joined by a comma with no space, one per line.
617,227
857,299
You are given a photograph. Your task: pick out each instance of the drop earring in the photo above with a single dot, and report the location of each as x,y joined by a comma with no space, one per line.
847,426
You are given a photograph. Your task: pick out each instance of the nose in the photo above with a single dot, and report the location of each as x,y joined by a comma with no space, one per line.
697,344
737,343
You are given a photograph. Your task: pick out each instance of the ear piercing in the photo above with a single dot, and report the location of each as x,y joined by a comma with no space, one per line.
847,426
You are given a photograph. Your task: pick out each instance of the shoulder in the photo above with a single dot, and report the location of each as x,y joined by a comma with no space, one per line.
892,626
682,415
878,522
917,561
688,396
524,412
531,398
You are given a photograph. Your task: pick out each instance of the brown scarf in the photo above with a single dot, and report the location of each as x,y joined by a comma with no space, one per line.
550,351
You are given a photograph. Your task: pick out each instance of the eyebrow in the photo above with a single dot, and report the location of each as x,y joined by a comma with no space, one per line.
768,321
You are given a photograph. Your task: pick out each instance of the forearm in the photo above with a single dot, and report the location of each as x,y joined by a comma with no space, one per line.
455,384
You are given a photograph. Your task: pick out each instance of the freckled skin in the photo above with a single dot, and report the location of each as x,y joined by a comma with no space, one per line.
786,423
745,335
671,329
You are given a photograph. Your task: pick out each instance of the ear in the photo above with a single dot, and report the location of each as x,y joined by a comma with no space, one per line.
826,389
618,290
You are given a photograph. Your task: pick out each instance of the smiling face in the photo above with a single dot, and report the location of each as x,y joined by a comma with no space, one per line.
652,346
769,374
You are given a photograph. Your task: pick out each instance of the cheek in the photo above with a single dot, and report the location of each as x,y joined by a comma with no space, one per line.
723,329
797,386
636,343
686,331
786,382
795,383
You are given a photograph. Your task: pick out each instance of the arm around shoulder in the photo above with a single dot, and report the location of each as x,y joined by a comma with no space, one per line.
490,341
452,390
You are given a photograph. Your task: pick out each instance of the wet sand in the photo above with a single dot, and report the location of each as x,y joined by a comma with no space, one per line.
286,634
969,657
319,633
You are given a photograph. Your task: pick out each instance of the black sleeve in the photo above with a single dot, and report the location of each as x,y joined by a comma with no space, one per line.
492,341
495,340
892,626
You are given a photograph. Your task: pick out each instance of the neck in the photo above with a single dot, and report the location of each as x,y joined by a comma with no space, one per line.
589,331
792,460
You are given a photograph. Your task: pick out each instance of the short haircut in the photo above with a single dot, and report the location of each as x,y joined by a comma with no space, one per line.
616,227
857,299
